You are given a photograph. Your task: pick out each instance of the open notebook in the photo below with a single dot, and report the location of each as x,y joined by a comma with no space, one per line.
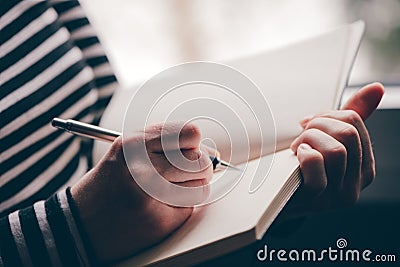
300,79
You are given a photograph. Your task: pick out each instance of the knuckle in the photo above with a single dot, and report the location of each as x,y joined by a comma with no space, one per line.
349,133
337,153
352,117
350,137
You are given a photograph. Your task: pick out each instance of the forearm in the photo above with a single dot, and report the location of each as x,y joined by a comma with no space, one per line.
44,234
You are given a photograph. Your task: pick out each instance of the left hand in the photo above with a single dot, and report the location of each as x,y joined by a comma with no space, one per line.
335,155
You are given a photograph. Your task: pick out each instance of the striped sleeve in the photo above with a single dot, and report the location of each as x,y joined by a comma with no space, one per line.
42,76
83,35
51,65
45,234
73,18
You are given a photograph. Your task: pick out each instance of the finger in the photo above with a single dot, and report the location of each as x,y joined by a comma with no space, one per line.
211,151
313,171
334,153
348,135
172,136
368,161
366,100
181,166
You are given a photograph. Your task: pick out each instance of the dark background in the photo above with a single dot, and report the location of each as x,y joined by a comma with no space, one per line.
373,223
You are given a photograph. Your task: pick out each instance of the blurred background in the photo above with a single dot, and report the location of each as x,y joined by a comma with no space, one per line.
145,37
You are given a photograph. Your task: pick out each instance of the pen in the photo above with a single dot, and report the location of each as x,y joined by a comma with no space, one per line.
102,134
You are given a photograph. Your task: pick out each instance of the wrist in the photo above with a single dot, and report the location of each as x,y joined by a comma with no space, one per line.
83,223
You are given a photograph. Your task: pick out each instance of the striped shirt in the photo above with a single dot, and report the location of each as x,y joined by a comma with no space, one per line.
51,65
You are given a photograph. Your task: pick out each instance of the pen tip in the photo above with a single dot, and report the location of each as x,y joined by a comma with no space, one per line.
227,165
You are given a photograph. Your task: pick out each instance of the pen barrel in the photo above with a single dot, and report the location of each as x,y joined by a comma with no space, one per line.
91,131
102,134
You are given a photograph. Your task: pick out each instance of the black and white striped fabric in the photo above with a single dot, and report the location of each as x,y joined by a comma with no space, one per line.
45,234
51,65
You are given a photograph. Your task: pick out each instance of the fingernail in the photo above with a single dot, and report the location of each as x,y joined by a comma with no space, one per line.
304,146
305,120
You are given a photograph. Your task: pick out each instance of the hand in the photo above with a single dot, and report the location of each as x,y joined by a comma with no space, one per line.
119,218
335,155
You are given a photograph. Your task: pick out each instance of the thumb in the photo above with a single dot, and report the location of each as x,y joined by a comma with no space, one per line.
365,100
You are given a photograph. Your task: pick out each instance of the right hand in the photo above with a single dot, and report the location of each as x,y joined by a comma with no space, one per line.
119,218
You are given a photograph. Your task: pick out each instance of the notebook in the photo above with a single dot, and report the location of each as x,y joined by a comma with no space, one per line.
300,79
